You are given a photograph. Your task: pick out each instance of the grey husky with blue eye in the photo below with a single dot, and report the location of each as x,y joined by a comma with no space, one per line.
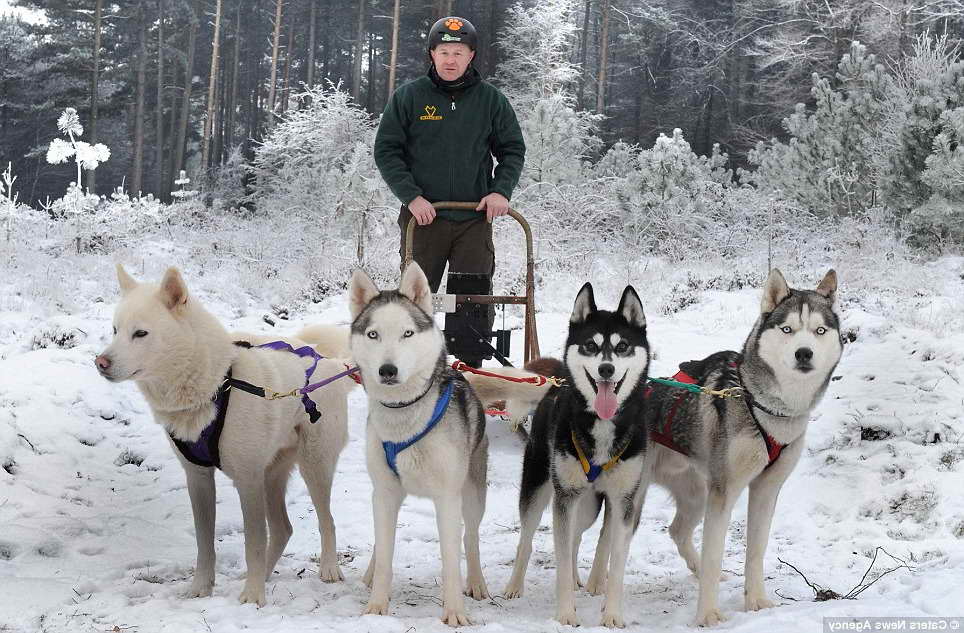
425,434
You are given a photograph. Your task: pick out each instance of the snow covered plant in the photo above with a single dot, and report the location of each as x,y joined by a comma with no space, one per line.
86,156
182,194
8,200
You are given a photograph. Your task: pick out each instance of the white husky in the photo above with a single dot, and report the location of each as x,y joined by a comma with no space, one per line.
426,434
179,356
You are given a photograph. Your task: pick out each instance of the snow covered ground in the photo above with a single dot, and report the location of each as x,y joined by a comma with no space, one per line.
96,531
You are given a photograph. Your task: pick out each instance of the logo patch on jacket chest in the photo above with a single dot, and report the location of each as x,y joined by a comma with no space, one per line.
430,115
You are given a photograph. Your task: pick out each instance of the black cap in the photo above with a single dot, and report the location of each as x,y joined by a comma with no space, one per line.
452,30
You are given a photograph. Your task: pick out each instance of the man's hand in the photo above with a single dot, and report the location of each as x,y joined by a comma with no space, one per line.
494,205
422,210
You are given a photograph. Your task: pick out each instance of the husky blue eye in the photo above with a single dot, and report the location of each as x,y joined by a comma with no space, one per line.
821,330
140,334
408,333
373,335
786,329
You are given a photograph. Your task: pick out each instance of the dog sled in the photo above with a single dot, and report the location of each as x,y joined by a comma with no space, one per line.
465,303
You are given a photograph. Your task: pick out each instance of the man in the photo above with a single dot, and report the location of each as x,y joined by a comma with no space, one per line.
436,141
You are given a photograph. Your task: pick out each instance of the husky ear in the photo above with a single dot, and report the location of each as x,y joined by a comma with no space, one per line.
775,291
360,293
173,289
632,308
585,304
415,286
127,283
828,286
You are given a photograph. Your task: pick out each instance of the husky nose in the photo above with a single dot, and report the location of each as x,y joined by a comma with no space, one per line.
388,371
606,371
102,362
804,355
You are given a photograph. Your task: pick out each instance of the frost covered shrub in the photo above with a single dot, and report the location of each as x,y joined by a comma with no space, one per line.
930,85
828,164
315,172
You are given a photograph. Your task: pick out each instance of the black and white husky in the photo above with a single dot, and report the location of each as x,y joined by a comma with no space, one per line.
425,435
588,445
707,450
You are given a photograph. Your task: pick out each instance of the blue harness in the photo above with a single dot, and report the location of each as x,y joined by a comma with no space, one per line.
392,449
204,450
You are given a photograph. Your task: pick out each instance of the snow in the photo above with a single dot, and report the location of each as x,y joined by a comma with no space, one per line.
96,531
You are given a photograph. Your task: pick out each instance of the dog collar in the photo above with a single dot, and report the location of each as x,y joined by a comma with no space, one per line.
402,405
392,449
591,470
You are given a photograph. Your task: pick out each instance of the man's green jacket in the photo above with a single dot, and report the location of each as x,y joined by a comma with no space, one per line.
440,146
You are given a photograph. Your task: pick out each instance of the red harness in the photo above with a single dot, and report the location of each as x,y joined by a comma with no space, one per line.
664,435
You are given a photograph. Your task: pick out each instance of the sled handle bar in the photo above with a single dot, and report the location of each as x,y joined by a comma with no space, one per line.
531,337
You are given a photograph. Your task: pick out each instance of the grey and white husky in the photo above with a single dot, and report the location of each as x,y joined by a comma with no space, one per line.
425,435
706,451
588,445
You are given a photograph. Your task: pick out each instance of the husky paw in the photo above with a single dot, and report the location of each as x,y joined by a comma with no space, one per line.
377,607
455,617
200,588
568,617
613,621
756,603
711,617
253,595
477,590
596,586
330,573
512,591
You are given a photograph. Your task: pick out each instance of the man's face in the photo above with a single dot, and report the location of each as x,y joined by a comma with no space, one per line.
451,60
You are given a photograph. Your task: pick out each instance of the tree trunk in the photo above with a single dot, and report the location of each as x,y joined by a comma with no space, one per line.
94,89
357,55
603,59
186,97
159,113
212,87
236,64
392,64
275,45
583,54
312,23
137,169
372,57
286,85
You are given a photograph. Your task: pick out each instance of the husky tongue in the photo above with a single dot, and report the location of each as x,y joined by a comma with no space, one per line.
605,404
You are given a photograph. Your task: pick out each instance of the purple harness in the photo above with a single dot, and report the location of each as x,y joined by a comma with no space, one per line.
204,450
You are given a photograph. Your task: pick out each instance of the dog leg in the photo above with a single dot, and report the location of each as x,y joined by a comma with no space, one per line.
447,516
719,507
318,471
473,507
200,487
622,515
596,584
762,503
563,526
689,493
587,512
252,493
386,500
279,526
530,514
